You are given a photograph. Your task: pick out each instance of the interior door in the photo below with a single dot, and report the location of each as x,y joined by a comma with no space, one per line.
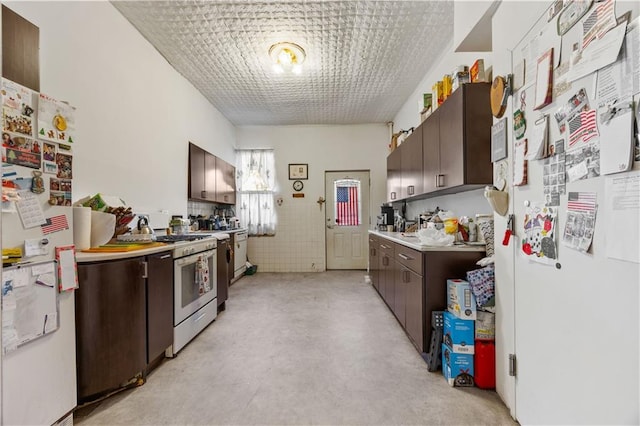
347,219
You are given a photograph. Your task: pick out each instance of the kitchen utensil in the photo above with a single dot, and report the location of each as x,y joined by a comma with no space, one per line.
143,226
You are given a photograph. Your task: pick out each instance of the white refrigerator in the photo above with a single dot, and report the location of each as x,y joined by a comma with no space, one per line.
39,377
38,321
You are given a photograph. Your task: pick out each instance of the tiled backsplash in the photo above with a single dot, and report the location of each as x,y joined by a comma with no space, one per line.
299,243
197,208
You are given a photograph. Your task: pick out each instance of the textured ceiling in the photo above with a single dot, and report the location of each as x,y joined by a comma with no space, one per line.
364,58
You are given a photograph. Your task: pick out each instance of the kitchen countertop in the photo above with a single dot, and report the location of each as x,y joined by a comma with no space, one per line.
225,231
411,240
82,257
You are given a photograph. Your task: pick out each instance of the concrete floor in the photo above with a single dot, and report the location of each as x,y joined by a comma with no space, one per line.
317,348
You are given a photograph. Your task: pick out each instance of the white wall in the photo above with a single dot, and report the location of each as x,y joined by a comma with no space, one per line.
299,243
135,113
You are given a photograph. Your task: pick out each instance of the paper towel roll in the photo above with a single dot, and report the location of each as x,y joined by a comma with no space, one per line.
82,227
103,226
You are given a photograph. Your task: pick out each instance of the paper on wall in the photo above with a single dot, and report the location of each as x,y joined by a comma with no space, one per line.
538,242
537,144
598,54
622,209
520,163
583,161
616,138
581,220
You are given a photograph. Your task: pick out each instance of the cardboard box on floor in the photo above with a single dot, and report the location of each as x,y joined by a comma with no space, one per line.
460,299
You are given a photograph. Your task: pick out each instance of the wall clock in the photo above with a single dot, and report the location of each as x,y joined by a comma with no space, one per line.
298,185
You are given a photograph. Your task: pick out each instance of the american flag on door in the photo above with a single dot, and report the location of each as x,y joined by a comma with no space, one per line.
347,205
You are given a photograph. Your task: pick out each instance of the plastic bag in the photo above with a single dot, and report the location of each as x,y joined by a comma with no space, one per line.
435,237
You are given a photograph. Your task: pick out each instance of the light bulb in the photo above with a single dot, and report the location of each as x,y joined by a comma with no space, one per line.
285,57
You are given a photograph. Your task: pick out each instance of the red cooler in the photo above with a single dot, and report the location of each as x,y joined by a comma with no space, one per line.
485,364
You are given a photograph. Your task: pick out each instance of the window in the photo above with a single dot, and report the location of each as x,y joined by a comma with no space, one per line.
347,209
256,184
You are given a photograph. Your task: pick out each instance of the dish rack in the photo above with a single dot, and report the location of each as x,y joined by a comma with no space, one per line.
136,238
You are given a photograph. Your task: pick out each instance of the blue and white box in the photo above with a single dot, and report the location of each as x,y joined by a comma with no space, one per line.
460,299
458,334
457,368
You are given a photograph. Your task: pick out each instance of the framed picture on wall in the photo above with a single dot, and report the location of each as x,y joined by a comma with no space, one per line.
298,171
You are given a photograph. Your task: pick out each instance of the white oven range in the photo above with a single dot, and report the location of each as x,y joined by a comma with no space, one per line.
194,296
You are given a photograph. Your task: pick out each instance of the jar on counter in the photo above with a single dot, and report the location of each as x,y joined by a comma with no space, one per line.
480,220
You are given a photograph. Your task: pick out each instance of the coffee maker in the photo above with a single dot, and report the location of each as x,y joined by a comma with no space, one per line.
385,218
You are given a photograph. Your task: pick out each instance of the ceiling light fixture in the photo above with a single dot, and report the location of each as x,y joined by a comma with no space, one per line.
288,57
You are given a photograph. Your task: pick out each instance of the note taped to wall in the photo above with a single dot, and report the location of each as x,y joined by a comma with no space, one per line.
29,303
622,209
67,270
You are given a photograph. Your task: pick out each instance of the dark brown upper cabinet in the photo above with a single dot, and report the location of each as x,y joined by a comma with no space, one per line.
20,50
465,140
455,153
210,178
411,161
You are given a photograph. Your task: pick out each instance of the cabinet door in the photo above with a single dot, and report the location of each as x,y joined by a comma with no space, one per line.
210,177
400,300
159,304
477,131
374,251
225,182
110,325
20,50
394,175
230,179
431,151
411,162
414,311
452,140
197,189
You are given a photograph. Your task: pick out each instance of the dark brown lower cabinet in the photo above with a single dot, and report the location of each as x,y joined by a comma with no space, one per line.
374,262
400,299
110,325
159,304
124,320
414,316
386,274
413,283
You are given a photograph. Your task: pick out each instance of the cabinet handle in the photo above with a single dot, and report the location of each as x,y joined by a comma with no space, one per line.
145,274
383,246
203,194
385,261
411,189
405,257
405,276
166,256
439,181
374,252
393,195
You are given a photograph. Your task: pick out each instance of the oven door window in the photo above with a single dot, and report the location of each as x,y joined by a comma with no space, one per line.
192,285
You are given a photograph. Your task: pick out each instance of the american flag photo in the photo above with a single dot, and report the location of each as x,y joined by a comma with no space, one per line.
55,224
583,127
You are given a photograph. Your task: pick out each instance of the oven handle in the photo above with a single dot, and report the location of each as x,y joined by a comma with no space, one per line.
194,257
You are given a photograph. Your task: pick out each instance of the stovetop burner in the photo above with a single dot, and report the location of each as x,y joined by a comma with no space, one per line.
173,238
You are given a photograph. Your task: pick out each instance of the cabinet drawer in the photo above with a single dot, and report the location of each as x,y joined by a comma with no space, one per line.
410,258
387,247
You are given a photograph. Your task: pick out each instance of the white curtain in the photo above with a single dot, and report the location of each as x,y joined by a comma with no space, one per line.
256,184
